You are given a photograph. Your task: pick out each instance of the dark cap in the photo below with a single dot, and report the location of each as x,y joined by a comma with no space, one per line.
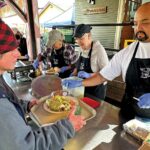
81,29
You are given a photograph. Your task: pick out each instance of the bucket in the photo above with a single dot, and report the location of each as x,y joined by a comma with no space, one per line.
77,92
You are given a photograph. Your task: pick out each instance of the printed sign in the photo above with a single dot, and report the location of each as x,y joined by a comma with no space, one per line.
96,10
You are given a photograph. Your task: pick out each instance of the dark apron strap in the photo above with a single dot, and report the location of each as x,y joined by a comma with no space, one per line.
78,63
136,48
80,59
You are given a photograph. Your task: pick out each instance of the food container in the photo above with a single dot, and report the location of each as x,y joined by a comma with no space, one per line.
137,129
146,144
76,92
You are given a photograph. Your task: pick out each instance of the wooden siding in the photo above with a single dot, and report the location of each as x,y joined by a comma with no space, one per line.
106,35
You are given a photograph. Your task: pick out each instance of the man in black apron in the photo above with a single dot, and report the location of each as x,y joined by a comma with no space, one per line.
136,74
136,85
84,64
83,38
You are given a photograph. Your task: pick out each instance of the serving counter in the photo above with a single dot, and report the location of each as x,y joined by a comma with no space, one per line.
104,132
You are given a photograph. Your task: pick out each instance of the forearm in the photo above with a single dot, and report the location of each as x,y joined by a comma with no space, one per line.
52,137
94,80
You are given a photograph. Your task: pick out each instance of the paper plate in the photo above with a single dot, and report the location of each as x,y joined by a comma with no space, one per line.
46,108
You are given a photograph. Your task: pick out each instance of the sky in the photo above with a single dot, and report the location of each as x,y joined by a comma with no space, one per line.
62,4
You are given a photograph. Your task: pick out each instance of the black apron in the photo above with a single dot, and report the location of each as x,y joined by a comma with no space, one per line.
84,64
57,60
137,83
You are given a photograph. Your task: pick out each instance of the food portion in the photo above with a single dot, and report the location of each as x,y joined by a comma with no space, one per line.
59,103
50,71
38,72
137,129
57,69
140,133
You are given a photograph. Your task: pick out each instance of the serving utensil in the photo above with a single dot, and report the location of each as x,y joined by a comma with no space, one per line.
137,99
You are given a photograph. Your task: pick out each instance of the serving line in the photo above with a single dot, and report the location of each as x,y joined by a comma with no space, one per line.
104,132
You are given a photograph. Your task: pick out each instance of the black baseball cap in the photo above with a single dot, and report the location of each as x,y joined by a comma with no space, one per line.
81,29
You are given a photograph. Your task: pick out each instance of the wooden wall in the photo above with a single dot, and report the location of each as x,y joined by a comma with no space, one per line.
106,35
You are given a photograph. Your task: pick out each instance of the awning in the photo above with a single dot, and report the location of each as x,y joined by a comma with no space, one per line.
66,18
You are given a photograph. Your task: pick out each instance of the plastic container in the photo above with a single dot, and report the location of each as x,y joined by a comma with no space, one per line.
75,92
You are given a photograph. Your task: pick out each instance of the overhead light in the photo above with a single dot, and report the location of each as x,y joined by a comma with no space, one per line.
91,1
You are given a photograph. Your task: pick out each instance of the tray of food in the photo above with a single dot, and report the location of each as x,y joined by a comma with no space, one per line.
53,108
146,144
137,129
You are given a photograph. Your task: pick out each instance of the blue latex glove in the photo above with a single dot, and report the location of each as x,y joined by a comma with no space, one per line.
83,74
36,64
144,101
63,69
72,83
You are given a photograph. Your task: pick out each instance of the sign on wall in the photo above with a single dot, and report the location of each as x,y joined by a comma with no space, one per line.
95,10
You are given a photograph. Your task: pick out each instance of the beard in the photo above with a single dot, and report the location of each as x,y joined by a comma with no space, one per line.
141,36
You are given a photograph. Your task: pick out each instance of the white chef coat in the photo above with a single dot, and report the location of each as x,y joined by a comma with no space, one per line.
120,62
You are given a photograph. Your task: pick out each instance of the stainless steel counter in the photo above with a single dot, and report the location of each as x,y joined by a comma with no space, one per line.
104,132
22,89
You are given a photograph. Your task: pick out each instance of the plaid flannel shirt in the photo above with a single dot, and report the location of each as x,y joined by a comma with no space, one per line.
69,54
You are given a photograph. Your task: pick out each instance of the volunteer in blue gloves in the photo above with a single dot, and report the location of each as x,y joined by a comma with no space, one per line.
59,55
92,59
133,63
